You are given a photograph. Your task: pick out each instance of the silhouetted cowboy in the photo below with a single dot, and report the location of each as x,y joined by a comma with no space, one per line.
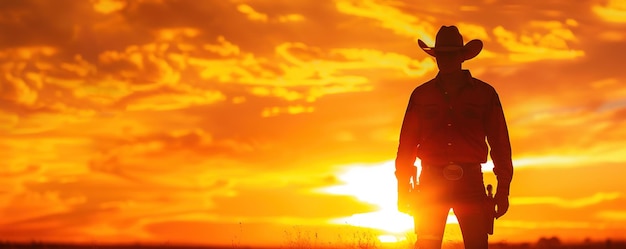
447,125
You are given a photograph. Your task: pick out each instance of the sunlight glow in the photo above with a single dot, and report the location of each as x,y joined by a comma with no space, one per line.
389,238
375,184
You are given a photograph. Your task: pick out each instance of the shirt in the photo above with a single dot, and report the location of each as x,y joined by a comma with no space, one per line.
442,130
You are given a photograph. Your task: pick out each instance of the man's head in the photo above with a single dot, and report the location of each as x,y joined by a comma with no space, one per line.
449,50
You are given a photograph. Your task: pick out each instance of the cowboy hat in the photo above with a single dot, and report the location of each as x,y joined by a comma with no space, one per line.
449,39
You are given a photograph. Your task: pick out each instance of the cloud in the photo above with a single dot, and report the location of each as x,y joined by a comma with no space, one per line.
134,78
600,123
307,73
557,201
165,74
273,111
98,205
473,31
251,13
563,224
108,6
129,158
254,15
118,207
287,202
532,45
380,60
613,215
165,101
613,11
389,17
21,82
29,205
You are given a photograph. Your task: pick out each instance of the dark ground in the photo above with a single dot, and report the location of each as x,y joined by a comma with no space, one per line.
541,244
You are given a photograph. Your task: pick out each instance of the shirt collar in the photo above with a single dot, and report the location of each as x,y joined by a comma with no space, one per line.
467,76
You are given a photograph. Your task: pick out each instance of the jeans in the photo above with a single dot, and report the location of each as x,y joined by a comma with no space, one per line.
467,198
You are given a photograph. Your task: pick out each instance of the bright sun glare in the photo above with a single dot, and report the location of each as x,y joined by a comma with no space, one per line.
375,184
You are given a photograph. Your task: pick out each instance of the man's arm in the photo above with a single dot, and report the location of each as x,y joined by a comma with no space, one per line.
408,142
405,159
498,139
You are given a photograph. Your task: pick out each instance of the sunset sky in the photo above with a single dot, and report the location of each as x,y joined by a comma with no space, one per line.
239,122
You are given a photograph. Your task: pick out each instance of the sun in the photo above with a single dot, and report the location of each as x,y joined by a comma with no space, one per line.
375,184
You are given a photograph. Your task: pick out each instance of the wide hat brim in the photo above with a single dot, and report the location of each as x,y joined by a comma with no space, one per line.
470,50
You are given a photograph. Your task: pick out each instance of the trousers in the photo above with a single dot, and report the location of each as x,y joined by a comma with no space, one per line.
465,195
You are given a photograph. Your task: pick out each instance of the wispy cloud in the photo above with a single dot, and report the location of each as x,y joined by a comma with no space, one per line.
561,202
613,215
613,11
542,41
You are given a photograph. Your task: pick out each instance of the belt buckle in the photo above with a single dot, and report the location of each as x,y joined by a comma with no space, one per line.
453,172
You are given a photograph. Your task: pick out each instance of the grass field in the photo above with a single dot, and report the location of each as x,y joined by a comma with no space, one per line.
301,238
544,243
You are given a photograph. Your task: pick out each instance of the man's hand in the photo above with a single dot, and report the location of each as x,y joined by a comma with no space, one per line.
404,175
502,203
404,196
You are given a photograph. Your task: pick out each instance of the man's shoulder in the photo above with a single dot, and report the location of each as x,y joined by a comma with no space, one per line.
482,84
426,86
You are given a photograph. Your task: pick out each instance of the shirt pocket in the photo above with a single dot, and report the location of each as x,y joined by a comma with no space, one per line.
472,112
430,112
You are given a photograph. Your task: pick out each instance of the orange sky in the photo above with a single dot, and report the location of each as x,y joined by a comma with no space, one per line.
249,122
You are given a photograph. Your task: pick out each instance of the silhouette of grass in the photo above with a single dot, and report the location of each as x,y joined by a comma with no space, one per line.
236,240
299,237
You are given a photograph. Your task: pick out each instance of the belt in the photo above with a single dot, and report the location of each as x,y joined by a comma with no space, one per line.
451,171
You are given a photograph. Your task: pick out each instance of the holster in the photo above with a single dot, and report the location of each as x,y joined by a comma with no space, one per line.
490,210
